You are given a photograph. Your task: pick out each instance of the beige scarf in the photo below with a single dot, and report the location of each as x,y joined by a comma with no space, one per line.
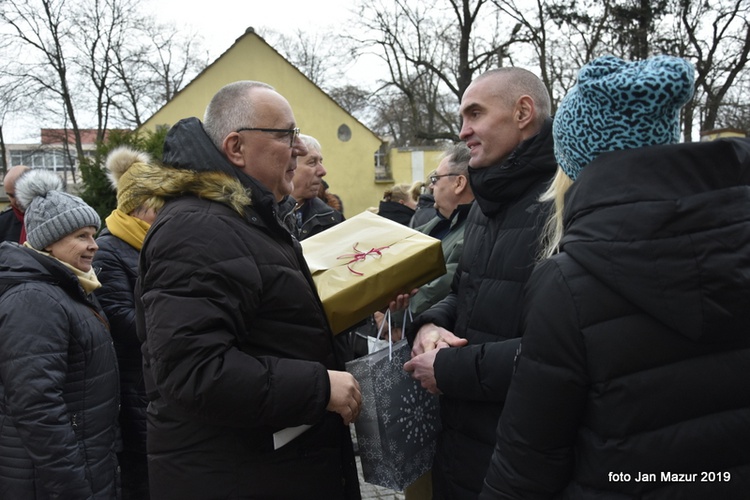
88,280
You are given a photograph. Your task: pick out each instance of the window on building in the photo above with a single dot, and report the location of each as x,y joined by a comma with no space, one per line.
382,168
49,159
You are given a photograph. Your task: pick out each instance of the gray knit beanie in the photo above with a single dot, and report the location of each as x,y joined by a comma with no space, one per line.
51,214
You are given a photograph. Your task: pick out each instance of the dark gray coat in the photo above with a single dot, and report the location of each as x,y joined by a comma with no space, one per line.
237,345
501,244
635,357
116,263
58,384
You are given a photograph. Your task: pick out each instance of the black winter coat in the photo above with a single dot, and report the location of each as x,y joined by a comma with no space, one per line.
395,211
58,384
237,345
635,361
116,263
317,217
10,226
424,212
501,244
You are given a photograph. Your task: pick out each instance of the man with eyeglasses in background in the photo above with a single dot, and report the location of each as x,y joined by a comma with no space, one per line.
238,354
453,199
463,347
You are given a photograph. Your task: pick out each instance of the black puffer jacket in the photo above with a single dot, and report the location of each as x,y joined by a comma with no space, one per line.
317,217
395,211
116,263
237,345
501,243
10,226
635,360
58,384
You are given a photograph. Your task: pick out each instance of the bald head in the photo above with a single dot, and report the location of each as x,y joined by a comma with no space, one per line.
9,183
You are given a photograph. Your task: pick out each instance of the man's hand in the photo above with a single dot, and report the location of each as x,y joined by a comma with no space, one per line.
346,400
430,337
401,301
422,368
396,332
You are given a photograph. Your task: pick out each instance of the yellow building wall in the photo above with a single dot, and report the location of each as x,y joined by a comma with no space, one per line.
350,164
712,135
409,165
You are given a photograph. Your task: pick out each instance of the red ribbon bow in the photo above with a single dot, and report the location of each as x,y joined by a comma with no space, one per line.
359,256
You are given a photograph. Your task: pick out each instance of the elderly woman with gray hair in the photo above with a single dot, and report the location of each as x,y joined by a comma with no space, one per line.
58,370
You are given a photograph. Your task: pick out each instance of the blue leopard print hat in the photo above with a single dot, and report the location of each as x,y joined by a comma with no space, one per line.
617,104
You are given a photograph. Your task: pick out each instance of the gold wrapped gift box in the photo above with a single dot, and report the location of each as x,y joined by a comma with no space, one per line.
362,263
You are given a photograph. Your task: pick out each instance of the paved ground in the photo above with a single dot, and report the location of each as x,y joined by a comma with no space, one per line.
370,491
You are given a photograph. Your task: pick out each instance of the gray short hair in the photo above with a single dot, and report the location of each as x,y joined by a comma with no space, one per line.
310,142
458,156
231,108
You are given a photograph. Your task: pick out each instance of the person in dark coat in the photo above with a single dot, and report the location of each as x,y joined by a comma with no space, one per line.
310,215
425,210
136,178
453,199
397,204
11,219
633,379
58,369
463,347
245,396
331,199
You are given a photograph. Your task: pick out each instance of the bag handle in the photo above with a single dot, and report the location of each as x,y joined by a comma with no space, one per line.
387,319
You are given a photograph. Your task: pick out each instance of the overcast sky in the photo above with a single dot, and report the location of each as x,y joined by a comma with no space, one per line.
221,22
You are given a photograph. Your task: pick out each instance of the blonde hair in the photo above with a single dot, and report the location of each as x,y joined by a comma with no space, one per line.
416,189
553,229
399,192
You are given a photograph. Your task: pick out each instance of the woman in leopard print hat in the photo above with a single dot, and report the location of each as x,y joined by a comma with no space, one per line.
633,379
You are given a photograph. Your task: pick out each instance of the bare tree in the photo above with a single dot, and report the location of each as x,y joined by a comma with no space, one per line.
155,64
718,40
44,28
316,55
431,54
102,30
14,96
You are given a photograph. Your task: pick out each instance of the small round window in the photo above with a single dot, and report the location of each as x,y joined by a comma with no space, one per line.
344,133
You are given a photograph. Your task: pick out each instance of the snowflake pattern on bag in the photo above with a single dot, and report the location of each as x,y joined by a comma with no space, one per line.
399,422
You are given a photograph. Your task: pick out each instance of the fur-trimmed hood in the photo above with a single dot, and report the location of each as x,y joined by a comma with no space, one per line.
188,147
168,183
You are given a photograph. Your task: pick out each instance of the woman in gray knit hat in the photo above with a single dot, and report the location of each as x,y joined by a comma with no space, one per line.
58,370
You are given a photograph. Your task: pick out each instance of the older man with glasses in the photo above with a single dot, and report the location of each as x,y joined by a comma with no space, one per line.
246,400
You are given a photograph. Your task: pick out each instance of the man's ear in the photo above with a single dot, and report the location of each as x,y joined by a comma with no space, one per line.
461,183
525,112
232,147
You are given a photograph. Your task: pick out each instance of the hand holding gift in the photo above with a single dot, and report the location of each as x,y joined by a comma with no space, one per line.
367,263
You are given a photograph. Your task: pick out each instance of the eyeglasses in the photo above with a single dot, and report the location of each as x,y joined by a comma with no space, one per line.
293,133
434,178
